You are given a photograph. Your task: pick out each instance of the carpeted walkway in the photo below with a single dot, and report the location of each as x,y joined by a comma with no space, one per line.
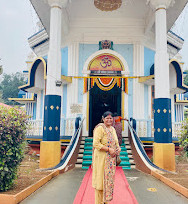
122,192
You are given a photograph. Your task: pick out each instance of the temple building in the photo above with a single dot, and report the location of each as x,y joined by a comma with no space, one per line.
99,55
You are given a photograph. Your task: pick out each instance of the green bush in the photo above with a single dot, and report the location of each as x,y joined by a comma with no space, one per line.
184,137
13,124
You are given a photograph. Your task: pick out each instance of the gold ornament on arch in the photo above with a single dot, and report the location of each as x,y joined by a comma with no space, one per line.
107,5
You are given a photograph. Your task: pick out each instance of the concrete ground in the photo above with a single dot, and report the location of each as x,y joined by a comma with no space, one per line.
63,188
141,183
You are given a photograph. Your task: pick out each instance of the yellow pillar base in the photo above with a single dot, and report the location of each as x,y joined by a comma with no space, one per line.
164,156
50,153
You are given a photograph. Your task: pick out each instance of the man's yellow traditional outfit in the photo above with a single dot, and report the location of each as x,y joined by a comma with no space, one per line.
103,164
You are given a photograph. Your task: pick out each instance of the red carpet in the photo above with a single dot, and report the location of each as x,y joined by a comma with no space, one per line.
122,192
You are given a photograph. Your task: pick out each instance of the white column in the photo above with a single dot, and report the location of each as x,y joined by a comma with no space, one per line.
73,66
172,107
161,56
138,88
54,54
149,102
38,105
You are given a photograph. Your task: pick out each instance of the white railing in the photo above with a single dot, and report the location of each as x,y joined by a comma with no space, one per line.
145,128
176,129
35,128
67,127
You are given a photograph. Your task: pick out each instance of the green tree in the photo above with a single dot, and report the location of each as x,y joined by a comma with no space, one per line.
186,78
9,86
183,140
13,126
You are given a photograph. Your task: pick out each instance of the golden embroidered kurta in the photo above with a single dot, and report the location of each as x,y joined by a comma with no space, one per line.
100,140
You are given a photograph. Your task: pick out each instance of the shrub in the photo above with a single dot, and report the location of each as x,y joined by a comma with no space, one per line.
12,133
184,137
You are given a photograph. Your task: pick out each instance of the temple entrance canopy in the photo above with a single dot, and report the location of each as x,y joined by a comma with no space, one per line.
105,85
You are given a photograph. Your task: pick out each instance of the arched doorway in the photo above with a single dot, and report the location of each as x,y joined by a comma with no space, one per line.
105,85
101,101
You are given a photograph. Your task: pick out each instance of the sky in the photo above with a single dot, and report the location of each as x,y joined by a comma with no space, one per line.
18,22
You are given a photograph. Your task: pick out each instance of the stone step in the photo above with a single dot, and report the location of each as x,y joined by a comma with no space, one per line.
133,166
130,156
87,157
88,144
86,163
128,147
81,150
89,140
80,155
123,154
131,162
78,165
79,161
87,153
125,163
129,151
126,167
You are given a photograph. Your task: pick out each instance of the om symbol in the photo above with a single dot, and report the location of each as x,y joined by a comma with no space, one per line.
106,62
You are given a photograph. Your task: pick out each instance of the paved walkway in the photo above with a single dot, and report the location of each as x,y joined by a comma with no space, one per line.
61,191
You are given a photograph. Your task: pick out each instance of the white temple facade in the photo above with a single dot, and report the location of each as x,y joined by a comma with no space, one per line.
98,57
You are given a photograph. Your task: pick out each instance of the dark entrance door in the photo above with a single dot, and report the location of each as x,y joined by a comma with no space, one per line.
101,101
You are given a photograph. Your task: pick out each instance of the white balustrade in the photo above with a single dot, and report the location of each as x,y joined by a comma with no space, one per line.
176,129
35,127
145,128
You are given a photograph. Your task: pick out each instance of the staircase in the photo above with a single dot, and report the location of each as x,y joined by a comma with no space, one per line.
84,159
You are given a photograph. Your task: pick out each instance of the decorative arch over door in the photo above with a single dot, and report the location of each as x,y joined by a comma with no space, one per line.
105,85
110,68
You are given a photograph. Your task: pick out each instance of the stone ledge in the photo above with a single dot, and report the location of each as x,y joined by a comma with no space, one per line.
170,183
14,199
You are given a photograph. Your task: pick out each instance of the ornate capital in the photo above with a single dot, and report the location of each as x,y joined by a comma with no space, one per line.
57,3
156,4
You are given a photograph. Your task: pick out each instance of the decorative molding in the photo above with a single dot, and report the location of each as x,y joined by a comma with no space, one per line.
157,4
76,108
57,3
106,51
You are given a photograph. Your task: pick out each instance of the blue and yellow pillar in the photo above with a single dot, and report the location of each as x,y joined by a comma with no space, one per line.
50,147
164,149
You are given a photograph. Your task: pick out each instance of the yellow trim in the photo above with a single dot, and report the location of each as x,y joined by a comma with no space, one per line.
50,153
145,78
67,78
23,99
56,7
117,58
87,121
181,101
106,88
45,76
109,76
164,155
163,8
33,139
122,107
65,140
153,142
